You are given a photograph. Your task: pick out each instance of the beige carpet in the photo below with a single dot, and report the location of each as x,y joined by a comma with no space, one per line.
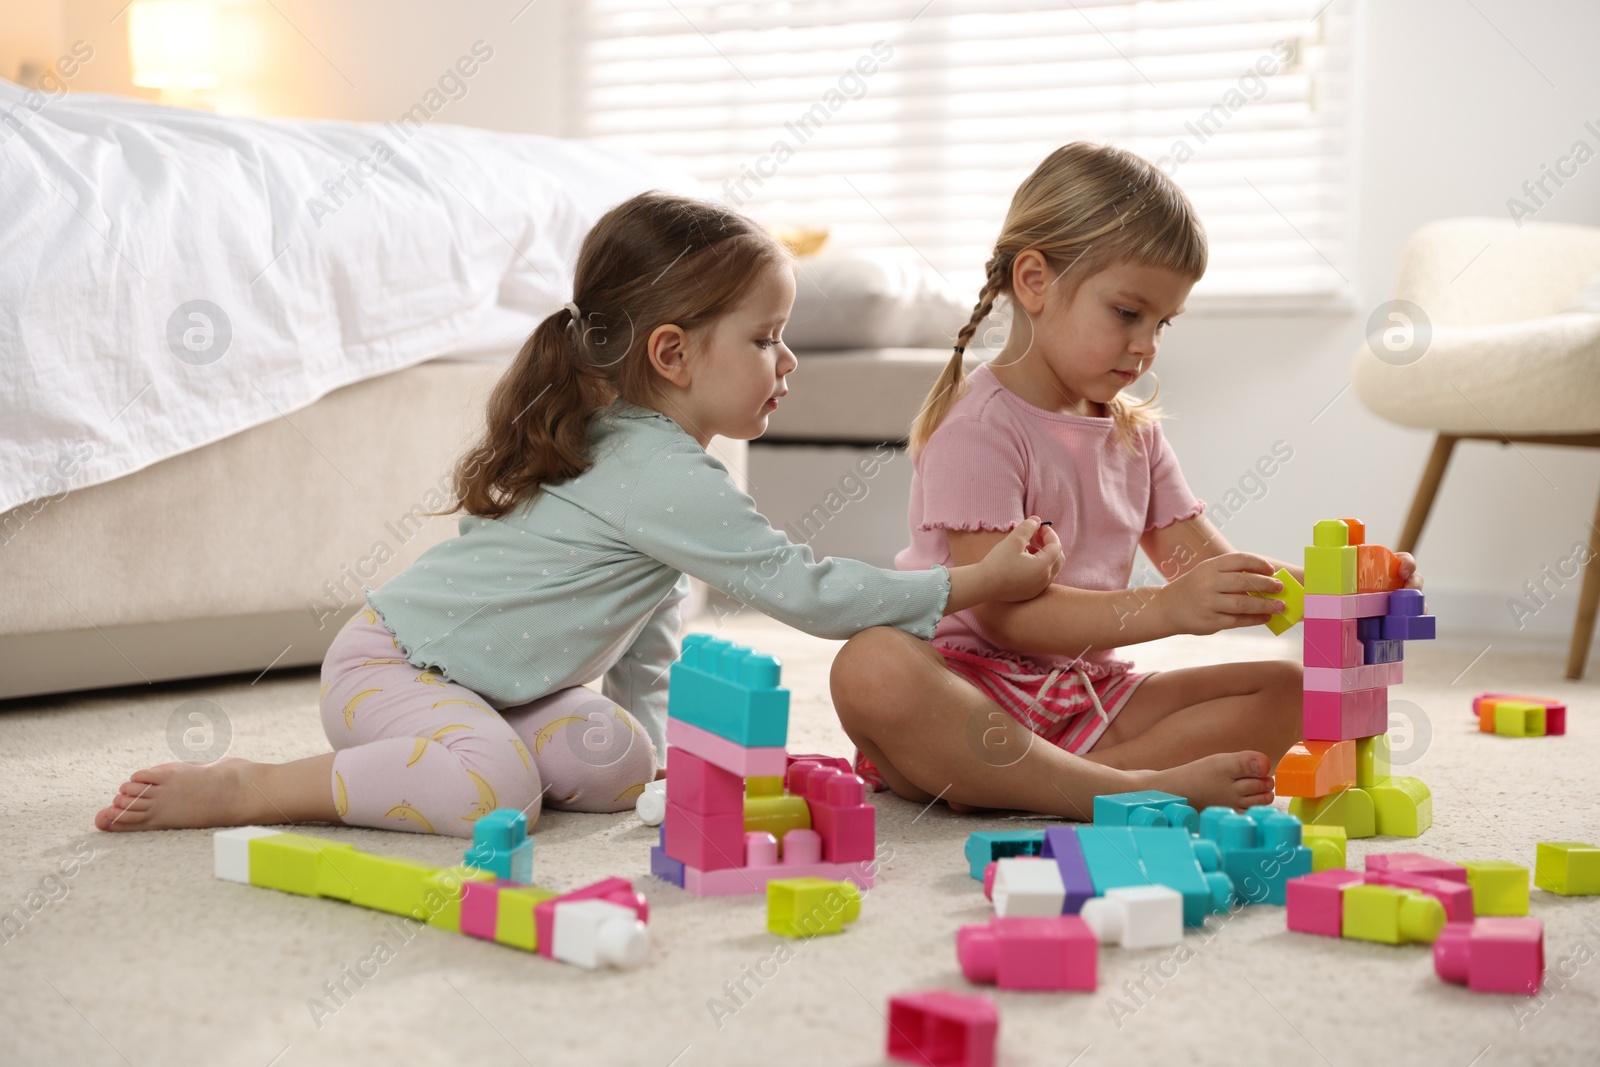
141,957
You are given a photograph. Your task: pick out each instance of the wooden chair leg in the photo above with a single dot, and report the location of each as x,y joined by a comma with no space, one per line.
1427,489
1588,604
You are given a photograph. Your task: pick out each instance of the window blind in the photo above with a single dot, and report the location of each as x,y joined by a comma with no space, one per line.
910,124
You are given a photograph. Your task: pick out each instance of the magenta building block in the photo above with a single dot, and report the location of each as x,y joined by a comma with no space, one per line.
762,762
1492,955
1345,716
942,1029
699,786
1455,896
1331,643
848,833
1316,901
1417,863
1059,952
480,908
708,842
1354,606
1061,845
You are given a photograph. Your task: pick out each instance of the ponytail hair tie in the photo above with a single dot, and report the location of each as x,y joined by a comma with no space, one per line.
573,308
961,349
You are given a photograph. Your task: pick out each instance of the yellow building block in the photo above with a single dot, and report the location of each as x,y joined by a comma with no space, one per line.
1349,809
805,907
764,786
1516,718
1403,807
1293,596
1327,845
1372,761
1498,887
441,900
776,815
294,863
1391,915
1570,868
1331,570
513,922
390,883
1330,533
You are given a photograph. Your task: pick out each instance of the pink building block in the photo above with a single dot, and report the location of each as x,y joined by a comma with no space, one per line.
841,815
1417,863
802,846
616,890
1354,606
1331,643
1316,901
1059,952
760,849
827,761
740,881
1492,955
769,762
1348,679
1344,716
700,786
708,842
480,908
942,1029
1455,896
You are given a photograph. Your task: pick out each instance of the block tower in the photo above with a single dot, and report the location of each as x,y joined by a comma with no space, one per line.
1356,620
741,811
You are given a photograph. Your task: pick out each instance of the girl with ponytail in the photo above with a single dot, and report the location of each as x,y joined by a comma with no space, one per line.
592,495
1028,705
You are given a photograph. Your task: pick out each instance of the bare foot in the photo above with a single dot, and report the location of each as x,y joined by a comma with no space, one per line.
1228,779
175,796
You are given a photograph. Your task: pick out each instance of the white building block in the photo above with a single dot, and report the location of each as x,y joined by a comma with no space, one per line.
230,850
596,933
1028,887
652,803
1141,916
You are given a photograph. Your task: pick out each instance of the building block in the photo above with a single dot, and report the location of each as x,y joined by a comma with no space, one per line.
760,849
1331,643
1169,860
841,815
1261,858
776,815
1316,901
1316,769
230,851
1417,863
743,881
1293,598
1332,533
597,933
1409,627
446,894
1359,606
1403,807
1455,896
501,846
983,847
1555,712
480,911
806,907
1570,868
1327,845
1345,716
942,1029
393,884
1145,807
802,846
702,787
1372,760
651,807
1390,915
1061,847
1377,570
294,863
1025,886
1112,857
1499,888
990,871
665,867
764,785
514,921
730,691
1377,650
1406,602
1355,531
743,760
709,842
1350,809
1492,955
1136,916
1331,571
1349,679
1518,718
618,891
1058,952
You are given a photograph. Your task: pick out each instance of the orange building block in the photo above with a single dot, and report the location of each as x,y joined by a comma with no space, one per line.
1377,570
1314,769
1358,531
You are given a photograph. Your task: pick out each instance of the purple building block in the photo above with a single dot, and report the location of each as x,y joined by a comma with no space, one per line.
1061,845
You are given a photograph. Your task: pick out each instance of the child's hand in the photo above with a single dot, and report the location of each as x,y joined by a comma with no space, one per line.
1408,571
1024,564
1213,596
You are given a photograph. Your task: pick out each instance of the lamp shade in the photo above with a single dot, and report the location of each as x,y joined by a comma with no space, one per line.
173,44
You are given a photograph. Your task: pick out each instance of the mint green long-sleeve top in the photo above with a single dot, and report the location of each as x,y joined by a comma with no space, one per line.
584,580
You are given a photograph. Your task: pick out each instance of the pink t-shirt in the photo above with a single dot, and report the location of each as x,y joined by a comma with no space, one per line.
997,459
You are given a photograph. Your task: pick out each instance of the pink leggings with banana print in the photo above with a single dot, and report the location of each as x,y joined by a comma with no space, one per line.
415,752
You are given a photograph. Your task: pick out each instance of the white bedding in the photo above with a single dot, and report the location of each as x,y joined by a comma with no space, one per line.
117,215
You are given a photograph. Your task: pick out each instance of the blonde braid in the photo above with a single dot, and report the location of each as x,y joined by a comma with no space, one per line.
952,381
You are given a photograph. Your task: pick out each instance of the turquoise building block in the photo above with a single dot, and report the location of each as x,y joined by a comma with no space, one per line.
1261,850
501,845
1145,807
1112,856
731,691
1169,859
985,846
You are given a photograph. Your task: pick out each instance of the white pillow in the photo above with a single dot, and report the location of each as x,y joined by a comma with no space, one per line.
886,299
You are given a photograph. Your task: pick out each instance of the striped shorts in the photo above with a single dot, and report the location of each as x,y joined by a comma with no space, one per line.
1063,706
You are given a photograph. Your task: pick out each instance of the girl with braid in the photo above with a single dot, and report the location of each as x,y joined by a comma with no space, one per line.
1028,705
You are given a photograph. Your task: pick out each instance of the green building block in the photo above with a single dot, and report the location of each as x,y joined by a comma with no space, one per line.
1515,718
295,863
1327,845
731,691
805,907
1570,868
1498,887
1391,915
1350,809
390,883
1331,570
1403,807
983,847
